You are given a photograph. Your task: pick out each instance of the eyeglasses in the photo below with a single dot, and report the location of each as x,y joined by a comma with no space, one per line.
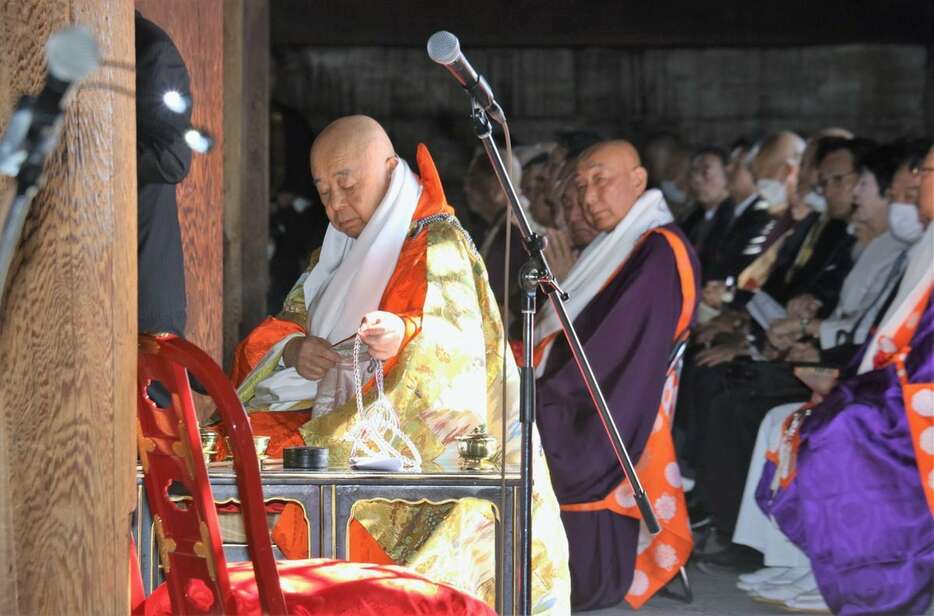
834,180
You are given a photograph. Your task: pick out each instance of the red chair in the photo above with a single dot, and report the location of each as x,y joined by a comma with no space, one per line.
199,580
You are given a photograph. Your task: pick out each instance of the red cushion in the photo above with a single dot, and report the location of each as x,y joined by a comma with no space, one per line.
324,586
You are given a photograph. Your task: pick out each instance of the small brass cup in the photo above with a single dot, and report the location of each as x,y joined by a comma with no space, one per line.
208,444
261,443
475,448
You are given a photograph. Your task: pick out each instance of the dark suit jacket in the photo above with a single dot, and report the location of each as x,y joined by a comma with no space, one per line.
822,274
703,232
741,242
163,159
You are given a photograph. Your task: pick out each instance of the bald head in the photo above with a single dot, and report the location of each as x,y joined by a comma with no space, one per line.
352,161
610,178
779,154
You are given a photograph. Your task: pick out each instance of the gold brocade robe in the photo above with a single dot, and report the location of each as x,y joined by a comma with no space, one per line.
446,380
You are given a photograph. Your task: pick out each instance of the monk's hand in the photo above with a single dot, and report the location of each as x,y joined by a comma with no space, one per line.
819,380
311,357
382,332
803,306
560,253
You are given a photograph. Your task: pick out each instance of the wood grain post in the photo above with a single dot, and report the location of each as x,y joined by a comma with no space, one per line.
68,333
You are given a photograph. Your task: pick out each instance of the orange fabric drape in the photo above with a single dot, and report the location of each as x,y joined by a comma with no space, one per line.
363,548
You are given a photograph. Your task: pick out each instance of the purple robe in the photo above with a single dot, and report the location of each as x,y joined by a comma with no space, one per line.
627,331
856,506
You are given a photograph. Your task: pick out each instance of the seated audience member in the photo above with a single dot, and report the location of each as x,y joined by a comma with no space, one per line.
749,225
297,221
851,480
734,415
561,160
805,279
488,209
632,293
572,232
705,224
668,163
787,574
397,270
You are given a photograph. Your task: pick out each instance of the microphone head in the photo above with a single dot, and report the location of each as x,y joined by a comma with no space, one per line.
72,53
443,47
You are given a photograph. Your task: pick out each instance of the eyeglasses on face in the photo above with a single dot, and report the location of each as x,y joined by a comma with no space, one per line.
835,180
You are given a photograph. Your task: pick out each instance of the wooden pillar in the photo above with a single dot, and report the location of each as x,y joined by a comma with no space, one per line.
246,168
68,333
197,30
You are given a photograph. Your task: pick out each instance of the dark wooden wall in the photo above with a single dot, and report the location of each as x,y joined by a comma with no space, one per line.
702,95
198,31
68,334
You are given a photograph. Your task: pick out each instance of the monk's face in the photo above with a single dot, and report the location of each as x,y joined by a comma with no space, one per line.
926,192
581,232
609,181
351,181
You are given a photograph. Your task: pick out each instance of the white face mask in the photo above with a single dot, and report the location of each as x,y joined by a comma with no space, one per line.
816,202
672,193
772,191
904,222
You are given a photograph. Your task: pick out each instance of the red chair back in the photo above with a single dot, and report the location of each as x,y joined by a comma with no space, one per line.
169,444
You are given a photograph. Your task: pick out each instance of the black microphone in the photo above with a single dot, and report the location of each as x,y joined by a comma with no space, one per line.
445,49
33,130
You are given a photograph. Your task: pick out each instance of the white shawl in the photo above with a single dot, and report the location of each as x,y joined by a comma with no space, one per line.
347,282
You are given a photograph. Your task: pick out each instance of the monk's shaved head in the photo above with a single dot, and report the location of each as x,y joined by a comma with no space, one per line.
625,151
610,178
356,133
352,161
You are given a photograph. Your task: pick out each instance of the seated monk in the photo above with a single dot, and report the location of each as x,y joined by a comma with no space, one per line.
396,259
852,482
632,295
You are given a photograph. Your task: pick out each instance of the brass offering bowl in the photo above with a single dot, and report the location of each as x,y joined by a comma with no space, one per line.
475,448
208,444
260,444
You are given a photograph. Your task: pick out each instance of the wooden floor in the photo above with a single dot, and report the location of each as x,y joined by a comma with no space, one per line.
715,593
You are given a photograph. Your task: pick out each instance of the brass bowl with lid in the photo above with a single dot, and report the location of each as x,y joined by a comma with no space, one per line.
475,448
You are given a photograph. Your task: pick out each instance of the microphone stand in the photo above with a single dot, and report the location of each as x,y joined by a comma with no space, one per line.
27,166
536,274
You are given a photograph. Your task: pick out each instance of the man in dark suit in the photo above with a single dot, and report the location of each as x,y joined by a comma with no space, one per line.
163,114
711,215
746,234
